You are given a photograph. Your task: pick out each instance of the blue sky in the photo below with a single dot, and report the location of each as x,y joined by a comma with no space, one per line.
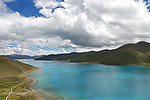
26,7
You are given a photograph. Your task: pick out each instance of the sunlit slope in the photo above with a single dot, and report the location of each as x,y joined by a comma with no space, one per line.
10,68
130,54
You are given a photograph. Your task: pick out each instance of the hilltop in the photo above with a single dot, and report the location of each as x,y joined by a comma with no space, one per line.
13,68
127,55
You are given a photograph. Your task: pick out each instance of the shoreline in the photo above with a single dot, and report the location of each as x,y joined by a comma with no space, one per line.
33,91
144,65
22,90
42,95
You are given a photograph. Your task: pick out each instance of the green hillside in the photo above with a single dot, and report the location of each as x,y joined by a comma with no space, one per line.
130,54
9,67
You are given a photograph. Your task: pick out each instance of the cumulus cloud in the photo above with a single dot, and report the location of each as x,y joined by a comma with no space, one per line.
80,25
102,23
22,51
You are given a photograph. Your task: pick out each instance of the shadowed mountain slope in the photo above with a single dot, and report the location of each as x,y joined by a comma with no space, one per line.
16,56
128,55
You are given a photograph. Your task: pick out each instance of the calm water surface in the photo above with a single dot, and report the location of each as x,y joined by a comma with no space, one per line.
91,81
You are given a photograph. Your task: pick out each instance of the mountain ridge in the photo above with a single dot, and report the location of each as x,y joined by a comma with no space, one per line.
17,56
137,54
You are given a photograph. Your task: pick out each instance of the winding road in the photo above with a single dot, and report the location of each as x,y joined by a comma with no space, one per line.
9,94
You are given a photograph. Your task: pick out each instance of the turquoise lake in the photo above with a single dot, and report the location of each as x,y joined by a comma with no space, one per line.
75,81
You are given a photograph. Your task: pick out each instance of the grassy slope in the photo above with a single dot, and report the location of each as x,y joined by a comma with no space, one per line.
130,54
11,76
6,68
9,67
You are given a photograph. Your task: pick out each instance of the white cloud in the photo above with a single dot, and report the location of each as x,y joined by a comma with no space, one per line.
3,8
46,3
15,50
82,26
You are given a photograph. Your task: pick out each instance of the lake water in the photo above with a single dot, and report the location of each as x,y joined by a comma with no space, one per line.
74,81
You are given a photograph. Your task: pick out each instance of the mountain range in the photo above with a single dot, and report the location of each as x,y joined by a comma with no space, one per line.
17,56
137,54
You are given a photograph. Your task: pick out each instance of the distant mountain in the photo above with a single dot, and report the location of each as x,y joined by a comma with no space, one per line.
16,56
128,55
